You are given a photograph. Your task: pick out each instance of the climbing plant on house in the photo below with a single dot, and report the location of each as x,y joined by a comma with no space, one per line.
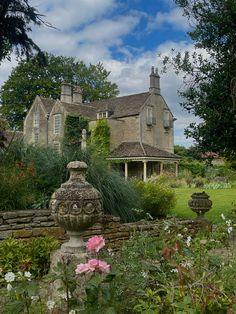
101,137
74,124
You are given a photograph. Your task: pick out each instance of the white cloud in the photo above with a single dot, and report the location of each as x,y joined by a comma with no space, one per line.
73,13
108,31
173,18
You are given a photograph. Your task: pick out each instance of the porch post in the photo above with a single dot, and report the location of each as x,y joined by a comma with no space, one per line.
176,169
161,167
126,171
144,170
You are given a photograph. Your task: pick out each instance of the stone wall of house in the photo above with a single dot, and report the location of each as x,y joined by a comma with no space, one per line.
30,130
34,223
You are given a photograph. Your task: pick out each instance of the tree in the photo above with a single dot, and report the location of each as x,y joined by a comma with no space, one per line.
16,18
29,79
210,75
3,128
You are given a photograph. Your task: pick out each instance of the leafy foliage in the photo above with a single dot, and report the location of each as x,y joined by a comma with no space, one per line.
74,125
48,170
101,137
16,18
210,75
33,255
157,198
29,79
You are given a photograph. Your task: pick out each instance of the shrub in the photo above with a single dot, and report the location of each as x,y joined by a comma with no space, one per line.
33,255
15,187
50,171
156,199
196,168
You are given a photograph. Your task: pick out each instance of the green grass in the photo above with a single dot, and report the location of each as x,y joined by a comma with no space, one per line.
222,200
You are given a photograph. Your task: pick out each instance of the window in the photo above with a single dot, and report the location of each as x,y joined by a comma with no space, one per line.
150,119
57,146
57,123
167,119
36,119
102,115
36,137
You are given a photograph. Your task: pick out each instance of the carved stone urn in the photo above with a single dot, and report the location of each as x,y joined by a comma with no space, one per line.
200,204
76,206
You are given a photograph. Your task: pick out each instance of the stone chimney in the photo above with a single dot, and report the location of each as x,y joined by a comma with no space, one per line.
66,92
154,81
77,95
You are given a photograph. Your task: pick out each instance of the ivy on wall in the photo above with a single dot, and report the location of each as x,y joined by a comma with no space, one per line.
101,137
74,124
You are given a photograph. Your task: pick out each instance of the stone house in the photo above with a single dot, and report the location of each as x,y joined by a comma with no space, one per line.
141,126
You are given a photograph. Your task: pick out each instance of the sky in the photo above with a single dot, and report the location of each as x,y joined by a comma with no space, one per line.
127,36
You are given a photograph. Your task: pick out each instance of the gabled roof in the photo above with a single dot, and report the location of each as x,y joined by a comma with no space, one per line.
48,103
84,110
121,106
135,149
118,106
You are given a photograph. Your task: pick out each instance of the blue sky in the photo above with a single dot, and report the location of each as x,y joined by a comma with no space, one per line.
126,36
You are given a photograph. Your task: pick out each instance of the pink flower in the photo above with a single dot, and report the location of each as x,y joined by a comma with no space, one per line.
103,267
95,244
93,264
83,268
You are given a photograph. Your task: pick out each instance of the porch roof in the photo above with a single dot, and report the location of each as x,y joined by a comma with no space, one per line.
138,151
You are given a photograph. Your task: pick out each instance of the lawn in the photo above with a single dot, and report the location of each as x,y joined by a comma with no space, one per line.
222,200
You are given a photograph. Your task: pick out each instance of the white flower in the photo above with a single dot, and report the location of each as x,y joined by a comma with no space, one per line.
9,287
50,304
188,241
72,312
35,298
180,235
222,216
174,270
185,229
230,229
186,264
10,276
228,222
27,274
20,273
64,296
166,227
144,274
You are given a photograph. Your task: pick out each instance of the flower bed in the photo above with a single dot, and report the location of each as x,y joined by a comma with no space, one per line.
179,272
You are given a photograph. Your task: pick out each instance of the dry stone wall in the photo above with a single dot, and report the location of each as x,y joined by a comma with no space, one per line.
25,224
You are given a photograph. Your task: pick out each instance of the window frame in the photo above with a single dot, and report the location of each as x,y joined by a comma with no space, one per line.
57,128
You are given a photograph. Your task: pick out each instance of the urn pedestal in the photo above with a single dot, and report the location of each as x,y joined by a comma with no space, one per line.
200,204
76,206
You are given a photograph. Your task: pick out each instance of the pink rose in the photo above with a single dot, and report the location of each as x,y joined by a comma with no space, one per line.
95,244
103,267
93,264
83,268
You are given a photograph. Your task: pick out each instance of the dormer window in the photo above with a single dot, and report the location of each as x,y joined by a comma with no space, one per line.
36,119
57,123
102,115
